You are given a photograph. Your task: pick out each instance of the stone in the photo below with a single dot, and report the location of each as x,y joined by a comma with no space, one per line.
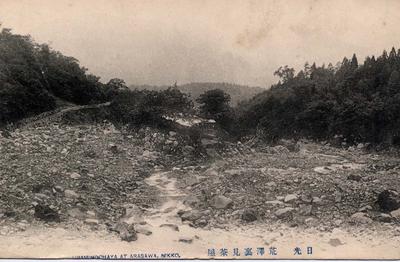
114,149
384,218
74,175
91,213
208,142
133,214
191,180
323,170
306,198
317,200
188,150
70,194
249,215
310,221
395,213
335,242
186,240
126,231
144,231
221,202
354,177
290,198
191,215
211,172
365,208
92,221
306,210
232,172
284,212
360,218
191,200
388,200
76,213
46,213
274,202
201,223
172,226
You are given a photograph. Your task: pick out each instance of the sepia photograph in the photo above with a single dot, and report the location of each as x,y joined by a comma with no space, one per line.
200,129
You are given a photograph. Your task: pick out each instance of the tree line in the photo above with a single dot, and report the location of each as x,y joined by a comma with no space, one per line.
356,102
360,103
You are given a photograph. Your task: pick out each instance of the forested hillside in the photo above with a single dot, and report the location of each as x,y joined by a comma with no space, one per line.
33,75
359,102
238,93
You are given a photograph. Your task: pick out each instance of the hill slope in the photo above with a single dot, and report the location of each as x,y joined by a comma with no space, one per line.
237,92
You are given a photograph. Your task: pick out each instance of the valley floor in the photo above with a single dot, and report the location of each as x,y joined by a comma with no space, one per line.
65,188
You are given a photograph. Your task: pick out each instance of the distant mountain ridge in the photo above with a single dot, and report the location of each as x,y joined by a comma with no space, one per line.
237,92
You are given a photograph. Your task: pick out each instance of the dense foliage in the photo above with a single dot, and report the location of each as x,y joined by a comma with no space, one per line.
360,103
237,93
214,104
33,77
145,107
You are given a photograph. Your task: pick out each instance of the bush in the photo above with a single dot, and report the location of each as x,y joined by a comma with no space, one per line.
143,107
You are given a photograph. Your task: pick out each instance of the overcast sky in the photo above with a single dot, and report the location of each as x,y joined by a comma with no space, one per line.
160,42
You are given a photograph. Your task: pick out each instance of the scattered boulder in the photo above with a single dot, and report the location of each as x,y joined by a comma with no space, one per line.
191,180
126,231
191,215
323,170
274,202
191,200
92,221
46,213
335,242
290,198
279,150
354,177
221,202
70,194
395,214
284,212
143,231
114,149
317,200
74,175
388,200
133,214
306,210
186,240
385,218
360,218
172,226
188,150
76,213
249,215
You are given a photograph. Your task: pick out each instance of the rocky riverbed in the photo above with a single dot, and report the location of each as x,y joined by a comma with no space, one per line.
140,189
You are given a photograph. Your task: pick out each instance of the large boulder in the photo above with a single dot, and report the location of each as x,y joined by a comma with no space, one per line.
360,218
284,212
395,214
249,215
126,231
46,213
388,200
291,198
191,215
221,202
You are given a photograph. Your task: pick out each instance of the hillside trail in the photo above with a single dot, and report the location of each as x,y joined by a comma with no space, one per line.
52,116
191,242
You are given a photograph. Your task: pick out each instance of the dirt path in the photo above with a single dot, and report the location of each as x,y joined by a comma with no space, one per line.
191,242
